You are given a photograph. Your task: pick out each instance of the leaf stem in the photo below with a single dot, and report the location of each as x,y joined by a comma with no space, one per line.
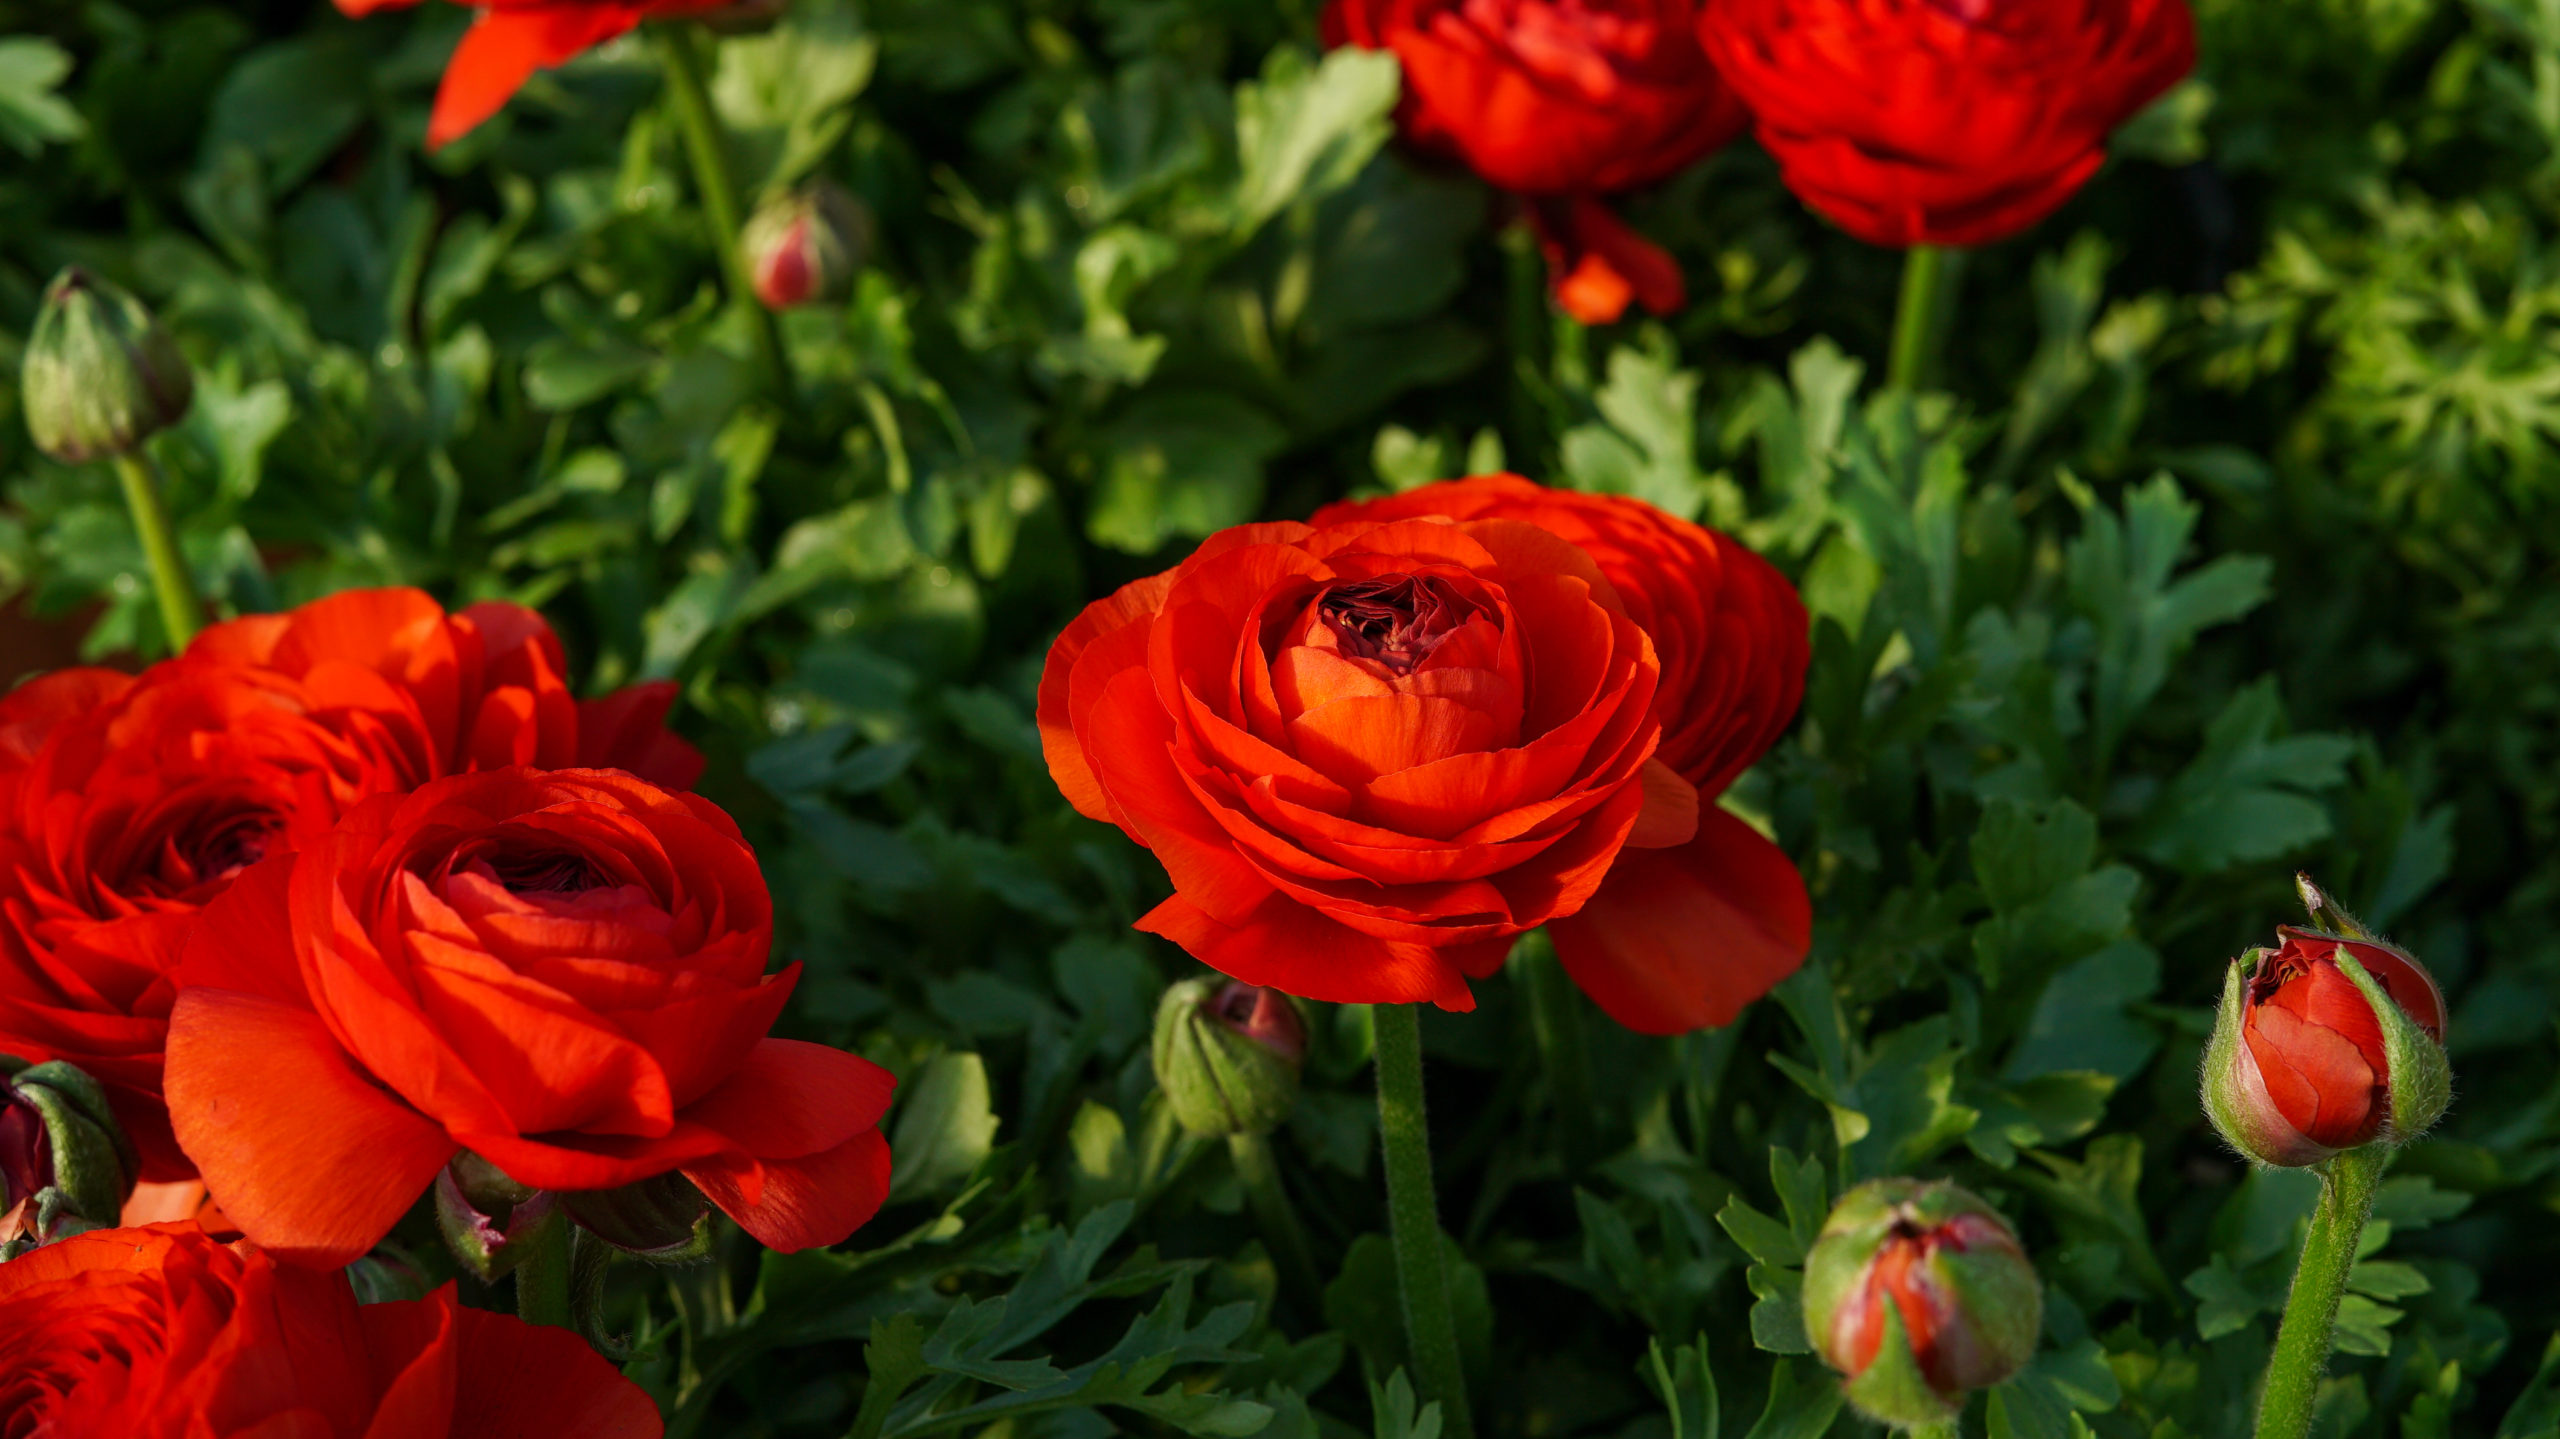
1281,1231
1919,320
2347,1183
181,612
708,146
1413,1218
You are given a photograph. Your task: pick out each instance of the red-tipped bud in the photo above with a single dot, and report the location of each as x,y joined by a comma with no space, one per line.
2325,1043
1227,1055
806,246
1920,1294
65,1166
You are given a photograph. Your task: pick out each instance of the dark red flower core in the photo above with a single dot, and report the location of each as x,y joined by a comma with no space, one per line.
26,1152
1395,621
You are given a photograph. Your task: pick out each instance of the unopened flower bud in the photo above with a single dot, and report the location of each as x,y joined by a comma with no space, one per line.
100,374
1227,1055
806,245
664,1220
2328,1042
489,1220
65,1165
1920,1294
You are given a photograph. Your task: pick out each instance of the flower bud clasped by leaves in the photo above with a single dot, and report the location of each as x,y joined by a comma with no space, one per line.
2328,1042
101,376
806,246
1919,1293
65,1166
1227,1055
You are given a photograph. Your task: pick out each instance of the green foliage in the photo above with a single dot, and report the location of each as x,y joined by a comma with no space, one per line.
2227,553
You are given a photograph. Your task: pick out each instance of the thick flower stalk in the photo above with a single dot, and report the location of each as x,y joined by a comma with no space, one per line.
162,1333
560,972
1560,102
129,803
1919,1294
2328,1053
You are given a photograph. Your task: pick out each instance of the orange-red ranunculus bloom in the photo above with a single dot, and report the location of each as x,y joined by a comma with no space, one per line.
163,1333
562,971
1944,122
1368,754
2311,1067
510,39
127,803
1682,937
1559,101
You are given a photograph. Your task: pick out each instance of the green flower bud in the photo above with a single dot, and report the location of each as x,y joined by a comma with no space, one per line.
1227,1055
65,1164
663,1220
489,1220
1919,1294
101,376
806,246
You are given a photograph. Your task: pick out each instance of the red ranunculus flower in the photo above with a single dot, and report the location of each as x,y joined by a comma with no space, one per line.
2311,1075
127,803
562,971
511,39
1559,101
162,1333
1683,937
1369,755
1944,122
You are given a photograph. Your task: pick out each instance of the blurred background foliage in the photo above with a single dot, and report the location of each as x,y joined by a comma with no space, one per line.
2229,549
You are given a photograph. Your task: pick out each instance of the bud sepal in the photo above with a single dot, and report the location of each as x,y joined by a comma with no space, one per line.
100,375
68,1166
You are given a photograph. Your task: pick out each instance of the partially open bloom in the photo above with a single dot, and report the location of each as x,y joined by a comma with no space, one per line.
1227,1055
2310,1058
1919,1294
162,1333
1682,937
562,972
1944,122
511,39
128,803
1559,101
1370,755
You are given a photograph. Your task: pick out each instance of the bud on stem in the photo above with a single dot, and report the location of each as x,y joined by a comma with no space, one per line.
1227,1055
806,246
1919,1293
65,1165
100,375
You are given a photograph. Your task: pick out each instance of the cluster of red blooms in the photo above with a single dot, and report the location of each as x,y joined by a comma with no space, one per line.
334,897
1905,122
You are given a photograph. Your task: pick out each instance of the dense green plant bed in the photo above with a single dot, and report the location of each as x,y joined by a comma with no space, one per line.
2213,537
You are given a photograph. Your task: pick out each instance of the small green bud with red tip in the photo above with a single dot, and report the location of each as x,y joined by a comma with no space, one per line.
2331,1041
1919,1294
100,375
1227,1055
805,246
65,1164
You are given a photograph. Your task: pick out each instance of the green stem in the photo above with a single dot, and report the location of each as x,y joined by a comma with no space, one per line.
2301,1354
1413,1218
181,613
1287,1238
543,1275
708,146
1526,321
1556,1016
1919,321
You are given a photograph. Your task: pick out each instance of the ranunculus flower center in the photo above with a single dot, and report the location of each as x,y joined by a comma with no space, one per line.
1393,624
193,846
